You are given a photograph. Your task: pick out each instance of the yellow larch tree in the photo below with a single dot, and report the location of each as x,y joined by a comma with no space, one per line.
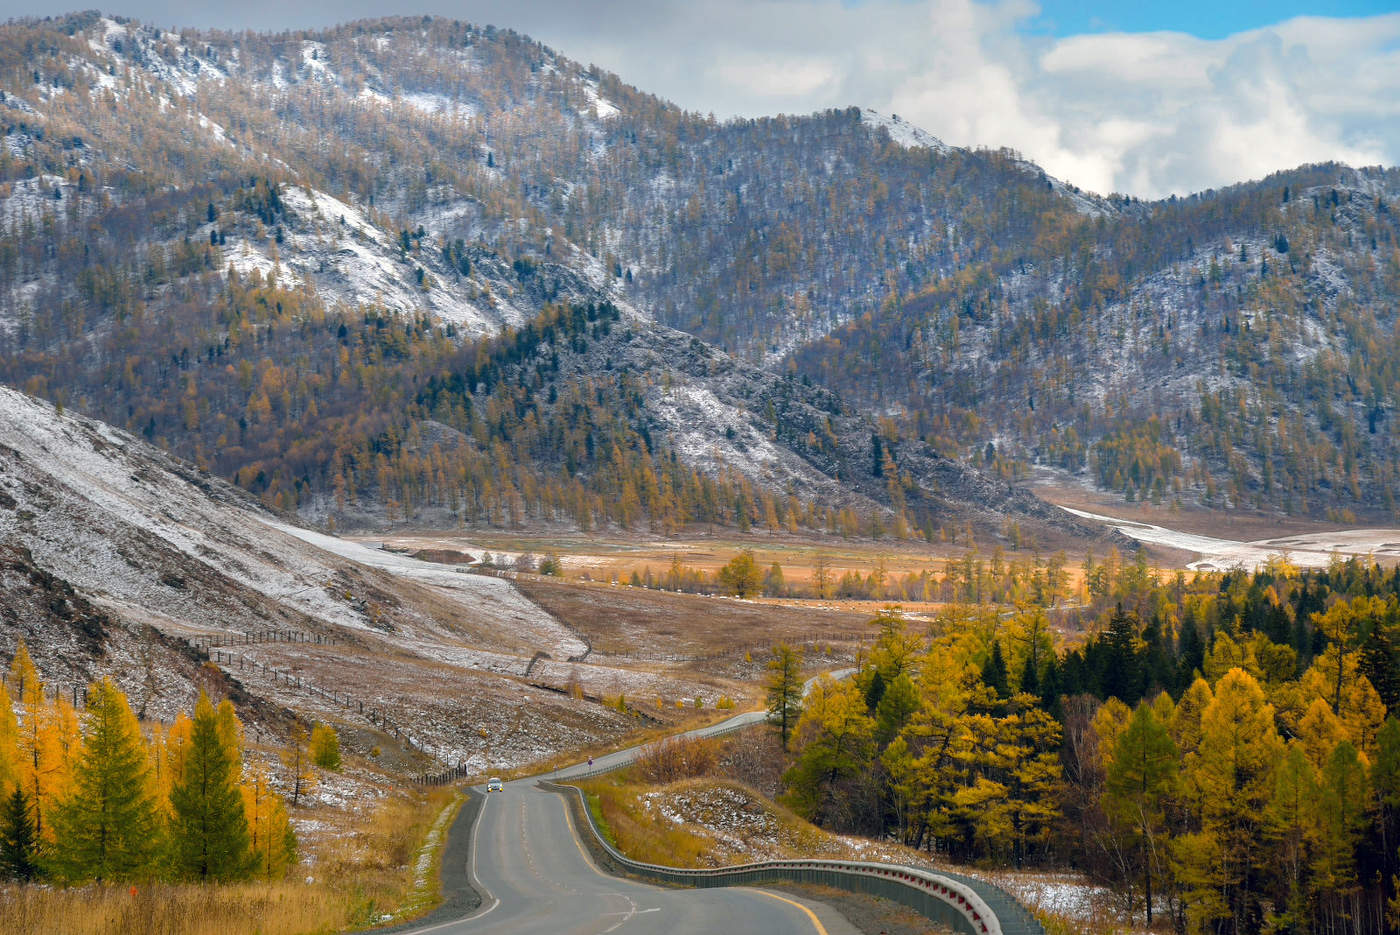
271,839
1233,770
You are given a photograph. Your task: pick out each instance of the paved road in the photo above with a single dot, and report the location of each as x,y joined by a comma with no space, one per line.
536,879
623,757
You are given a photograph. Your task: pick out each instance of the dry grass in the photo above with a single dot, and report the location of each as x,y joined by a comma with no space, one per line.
265,909
356,878
710,837
674,758
618,554
639,837
622,619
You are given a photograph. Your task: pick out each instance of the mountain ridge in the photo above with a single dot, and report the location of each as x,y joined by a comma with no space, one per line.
469,178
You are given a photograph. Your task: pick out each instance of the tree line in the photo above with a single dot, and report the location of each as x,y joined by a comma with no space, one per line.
1221,751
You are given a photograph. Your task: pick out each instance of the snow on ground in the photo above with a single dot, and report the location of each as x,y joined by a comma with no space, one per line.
691,413
493,596
333,246
433,103
600,105
902,131
32,198
119,519
1309,550
152,541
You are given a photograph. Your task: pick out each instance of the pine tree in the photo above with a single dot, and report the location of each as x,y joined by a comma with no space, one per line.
272,842
784,689
994,671
1034,776
19,839
229,730
1122,674
175,750
23,675
837,737
897,703
297,761
325,747
1287,825
9,742
209,828
1343,793
1232,769
107,826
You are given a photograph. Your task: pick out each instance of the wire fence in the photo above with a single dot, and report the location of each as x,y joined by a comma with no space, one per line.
237,663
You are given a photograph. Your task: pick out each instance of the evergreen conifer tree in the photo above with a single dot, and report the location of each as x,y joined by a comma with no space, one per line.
19,839
209,827
784,689
994,671
107,825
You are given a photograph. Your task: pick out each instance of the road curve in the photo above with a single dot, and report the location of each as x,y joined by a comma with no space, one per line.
537,879
534,877
621,758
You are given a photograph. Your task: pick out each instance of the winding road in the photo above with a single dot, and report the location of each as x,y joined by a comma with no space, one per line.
535,877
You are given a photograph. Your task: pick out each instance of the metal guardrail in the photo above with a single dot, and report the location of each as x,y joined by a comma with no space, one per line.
969,906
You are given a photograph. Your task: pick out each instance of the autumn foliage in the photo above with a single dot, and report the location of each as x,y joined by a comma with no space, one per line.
97,796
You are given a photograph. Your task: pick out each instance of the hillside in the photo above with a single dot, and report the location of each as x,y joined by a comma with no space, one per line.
267,239
1234,349
130,555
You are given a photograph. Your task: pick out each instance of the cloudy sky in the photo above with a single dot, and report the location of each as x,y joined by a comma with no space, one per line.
1146,98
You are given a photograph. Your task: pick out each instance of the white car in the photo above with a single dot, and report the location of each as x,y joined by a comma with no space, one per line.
494,785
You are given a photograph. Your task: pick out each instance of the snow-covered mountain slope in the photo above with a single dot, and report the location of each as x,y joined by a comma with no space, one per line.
383,130
113,554
469,176
792,438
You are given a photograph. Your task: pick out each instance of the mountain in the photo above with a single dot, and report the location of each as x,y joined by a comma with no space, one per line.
287,258
137,565
1234,349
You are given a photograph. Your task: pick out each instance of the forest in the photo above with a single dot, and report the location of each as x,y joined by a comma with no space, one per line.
88,792
1222,750
1232,348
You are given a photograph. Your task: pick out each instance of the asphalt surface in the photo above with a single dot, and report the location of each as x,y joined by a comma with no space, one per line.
535,877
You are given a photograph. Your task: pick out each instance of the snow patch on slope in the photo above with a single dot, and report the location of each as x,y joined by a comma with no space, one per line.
600,105
902,131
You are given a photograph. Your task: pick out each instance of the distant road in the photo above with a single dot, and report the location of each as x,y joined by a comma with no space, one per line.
535,878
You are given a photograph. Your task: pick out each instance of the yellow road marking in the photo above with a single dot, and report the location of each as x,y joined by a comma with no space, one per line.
573,833
816,923
811,916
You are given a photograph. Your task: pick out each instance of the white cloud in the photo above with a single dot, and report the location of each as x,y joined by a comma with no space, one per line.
1148,114
775,80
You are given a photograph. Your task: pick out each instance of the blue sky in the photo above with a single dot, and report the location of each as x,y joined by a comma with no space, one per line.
1200,18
